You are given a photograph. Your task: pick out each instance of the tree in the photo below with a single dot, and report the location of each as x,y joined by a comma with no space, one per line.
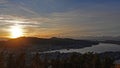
2,60
21,60
10,61
37,62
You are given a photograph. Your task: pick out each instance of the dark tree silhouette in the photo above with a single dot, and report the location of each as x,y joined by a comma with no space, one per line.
2,60
21,60
10,61
74,60
37,62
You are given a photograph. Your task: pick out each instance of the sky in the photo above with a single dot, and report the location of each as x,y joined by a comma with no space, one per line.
60,18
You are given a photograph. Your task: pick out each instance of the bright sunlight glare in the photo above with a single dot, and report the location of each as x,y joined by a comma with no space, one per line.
16,31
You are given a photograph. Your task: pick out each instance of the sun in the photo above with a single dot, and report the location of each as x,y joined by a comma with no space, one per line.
16,31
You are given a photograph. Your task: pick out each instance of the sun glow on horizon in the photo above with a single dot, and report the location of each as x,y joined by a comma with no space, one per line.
16,31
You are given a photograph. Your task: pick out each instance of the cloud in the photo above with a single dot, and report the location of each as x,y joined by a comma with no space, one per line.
28,24
3,1
87,18
85,22
8,7
22,20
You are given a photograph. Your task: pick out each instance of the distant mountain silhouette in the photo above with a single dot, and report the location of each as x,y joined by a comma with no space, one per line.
111,42
47,44
102,38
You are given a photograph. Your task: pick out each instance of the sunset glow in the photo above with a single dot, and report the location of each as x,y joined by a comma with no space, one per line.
59,18
16,31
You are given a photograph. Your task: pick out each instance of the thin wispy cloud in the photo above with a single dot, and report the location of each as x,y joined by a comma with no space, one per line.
74,18
3,1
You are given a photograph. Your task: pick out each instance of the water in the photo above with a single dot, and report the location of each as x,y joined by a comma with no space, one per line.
102,47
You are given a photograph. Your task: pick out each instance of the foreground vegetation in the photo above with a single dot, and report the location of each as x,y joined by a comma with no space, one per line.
75,60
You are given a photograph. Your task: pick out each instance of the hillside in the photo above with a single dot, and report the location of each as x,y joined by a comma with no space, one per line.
46,44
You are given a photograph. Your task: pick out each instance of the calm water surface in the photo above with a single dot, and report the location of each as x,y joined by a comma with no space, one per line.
102,47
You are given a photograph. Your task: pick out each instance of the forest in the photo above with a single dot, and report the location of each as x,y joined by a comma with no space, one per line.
74,60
